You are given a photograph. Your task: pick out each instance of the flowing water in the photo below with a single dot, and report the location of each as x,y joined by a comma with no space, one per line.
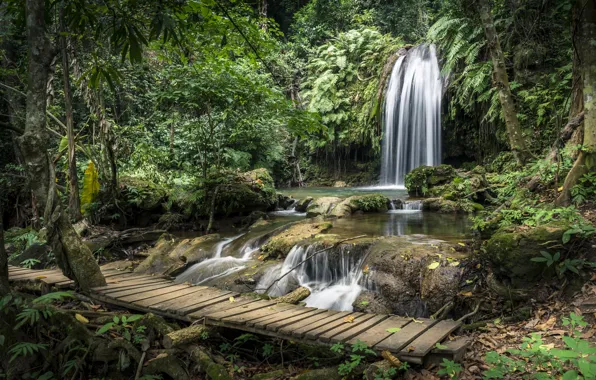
412,115
333,277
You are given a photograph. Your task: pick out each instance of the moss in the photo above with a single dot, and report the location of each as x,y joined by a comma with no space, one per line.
143,194
322,206
420,180
371,203
446,206
282,243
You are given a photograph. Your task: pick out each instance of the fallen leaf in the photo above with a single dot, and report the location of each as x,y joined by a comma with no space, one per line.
393,329
81,319
478,266
232,299
588,334
548,347
454,264
548,324
434,265
560,188
365,270
40,277
530,325
416,321
462,244
411,348
260,257
349,319
466,294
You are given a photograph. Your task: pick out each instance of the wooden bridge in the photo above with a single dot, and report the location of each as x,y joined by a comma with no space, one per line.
412,340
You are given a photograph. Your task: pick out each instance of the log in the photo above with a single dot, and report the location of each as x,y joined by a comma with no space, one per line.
167,364
295,296
207,365
184,336
121,238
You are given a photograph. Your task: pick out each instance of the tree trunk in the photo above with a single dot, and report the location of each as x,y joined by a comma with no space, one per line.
75,259
514,131
4,287
577,86
583,41
74,202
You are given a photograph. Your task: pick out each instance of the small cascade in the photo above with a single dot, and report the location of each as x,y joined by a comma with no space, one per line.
291,211
412,205
412,115
391,205
332,277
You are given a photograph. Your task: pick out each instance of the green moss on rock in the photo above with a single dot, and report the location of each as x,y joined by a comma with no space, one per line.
282,243
420,180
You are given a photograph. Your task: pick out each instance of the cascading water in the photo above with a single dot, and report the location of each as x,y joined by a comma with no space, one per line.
412,205
333,278
412,115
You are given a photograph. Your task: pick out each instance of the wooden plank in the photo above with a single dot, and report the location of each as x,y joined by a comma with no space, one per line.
379,332
33,276
300,332
51,280
12,270
135,290
340,327
170,296
211,302
154,293
108,291
298,329
128,283
304,320
273,324
213,305
267,316
191,300
454,350
269,312
357,329
423,344
258,305
397,341
288,320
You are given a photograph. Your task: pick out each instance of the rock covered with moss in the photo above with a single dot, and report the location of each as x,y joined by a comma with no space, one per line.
322,206
510,251
420,180
361,203
280,244
446,206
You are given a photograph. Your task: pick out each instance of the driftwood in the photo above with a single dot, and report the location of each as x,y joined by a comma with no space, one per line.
565,135
295,296
207,365
184,336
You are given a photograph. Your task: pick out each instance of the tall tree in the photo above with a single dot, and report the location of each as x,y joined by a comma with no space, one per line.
584,40
75,259
74,202
517,140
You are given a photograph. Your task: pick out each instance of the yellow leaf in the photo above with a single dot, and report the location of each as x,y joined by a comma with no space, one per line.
40,277
349,319
478,266
366,269
411,348
560,189
90,186
462,244
454,264
81,319
260,257
416,321
466,294
434,265
232,299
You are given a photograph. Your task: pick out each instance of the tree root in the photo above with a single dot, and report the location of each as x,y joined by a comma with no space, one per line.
184,336
207,365
167,364
295,296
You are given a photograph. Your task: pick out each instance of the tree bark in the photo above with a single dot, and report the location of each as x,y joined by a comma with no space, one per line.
514,131
577,86
584,40
4,286
74,202
184,336
75,259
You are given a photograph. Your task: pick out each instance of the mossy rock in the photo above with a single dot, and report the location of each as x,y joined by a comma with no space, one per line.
510,250
142,194
322,206
446,206
280,244
303,204
421,179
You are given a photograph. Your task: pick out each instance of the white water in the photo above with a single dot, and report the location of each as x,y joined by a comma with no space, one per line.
412,115
412,205
332,278
289,212
217,266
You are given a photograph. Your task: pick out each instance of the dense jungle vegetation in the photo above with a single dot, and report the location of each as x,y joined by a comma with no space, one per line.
157,116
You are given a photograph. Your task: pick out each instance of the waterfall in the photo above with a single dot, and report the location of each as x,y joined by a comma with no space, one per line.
412,115
332,277
412,205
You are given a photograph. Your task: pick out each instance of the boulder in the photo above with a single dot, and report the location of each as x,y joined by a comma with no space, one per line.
322,206
510,250
36,256
339,184
280,244
170,255
303,204
420,180
284,201
402,280
446,206
364,203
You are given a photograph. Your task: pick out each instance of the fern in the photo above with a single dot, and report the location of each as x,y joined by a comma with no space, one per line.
52,297
25,349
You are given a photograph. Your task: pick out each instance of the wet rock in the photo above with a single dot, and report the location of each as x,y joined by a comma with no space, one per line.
420,180
403,281
322,206
303,204
339,184
360,203
445,206
170,255
254,217
371,302
510,250
284,201
280,244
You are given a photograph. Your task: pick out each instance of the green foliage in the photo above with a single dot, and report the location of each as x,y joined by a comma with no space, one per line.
450,369
25,349
576,360
359,353
122,326
585,189
371,203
